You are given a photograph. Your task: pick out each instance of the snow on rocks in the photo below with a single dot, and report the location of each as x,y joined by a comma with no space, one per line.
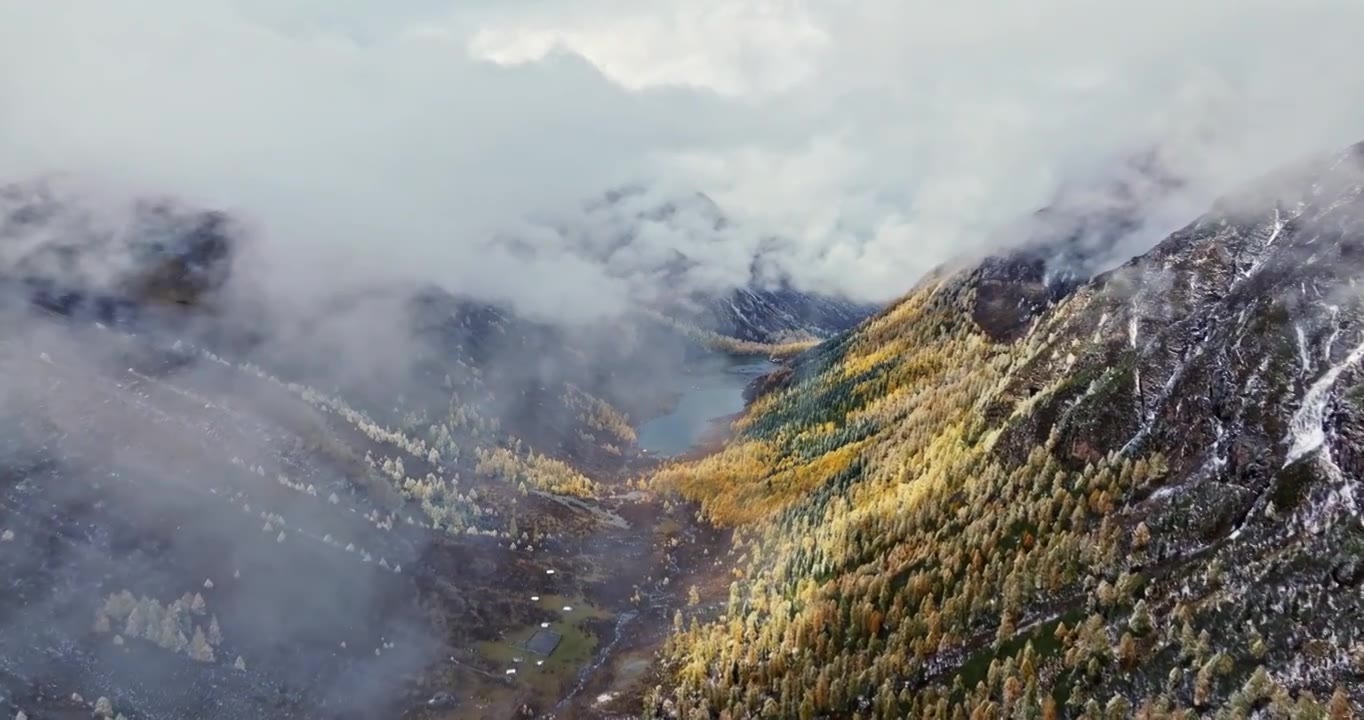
1307,430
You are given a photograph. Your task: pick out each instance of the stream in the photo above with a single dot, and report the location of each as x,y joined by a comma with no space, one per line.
586,673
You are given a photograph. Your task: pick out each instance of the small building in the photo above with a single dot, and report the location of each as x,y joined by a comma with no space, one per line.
543,642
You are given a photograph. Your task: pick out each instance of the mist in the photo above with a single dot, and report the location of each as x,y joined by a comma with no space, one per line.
448,215
370,145
110,487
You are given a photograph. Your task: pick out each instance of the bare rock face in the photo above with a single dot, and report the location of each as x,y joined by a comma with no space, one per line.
1348,572
75,261
1085,230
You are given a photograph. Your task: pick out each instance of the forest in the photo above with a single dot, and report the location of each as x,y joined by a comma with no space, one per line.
909,544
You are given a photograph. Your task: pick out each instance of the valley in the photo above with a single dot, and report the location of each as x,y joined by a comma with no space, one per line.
1040,484
202,522
1015,491
331,590
681,360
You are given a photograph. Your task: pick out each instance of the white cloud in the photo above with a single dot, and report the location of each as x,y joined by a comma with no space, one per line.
395,156
880,138
757,47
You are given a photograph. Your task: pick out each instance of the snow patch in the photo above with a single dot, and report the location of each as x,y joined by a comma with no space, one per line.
1302,347
1307,429
1278,228
1335,331
1163,492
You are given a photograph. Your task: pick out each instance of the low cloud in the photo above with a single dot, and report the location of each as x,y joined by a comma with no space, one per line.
850,149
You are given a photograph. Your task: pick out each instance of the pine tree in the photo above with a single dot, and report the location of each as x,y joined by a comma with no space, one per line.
1118,708
1341,708
1140,621
137,623
215,632
199,649
1128,653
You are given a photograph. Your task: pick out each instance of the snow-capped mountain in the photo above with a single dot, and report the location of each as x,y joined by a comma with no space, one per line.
1132,494
772,315
692,263
1086,229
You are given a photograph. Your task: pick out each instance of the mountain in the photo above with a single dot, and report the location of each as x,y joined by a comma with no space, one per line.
363,506
773,315
212,507
635,233
173,274
1036,486
70,260
1136,495
1084,230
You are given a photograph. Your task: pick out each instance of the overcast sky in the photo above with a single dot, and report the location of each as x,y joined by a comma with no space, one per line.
370,140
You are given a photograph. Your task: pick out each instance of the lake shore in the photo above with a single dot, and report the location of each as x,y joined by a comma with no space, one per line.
707,397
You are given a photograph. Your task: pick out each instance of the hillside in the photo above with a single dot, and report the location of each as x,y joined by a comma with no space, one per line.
1136,496
214,507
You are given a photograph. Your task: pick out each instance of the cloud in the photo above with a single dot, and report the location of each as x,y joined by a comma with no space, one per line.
389,158
758,47
935,125
878,139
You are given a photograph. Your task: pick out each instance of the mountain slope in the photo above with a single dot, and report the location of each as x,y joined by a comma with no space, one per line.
1143,497
174,273
1059,248
211,507
776,315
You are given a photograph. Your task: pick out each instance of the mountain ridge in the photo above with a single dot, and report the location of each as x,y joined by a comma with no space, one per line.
1067,518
